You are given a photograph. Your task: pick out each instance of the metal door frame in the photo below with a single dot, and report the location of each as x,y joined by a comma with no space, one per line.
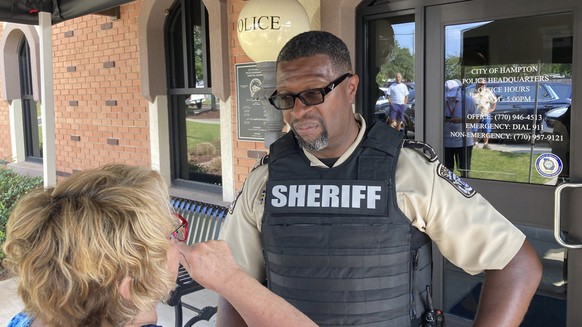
537,208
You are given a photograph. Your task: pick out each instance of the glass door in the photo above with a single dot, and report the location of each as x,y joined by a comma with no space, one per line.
512,68
388,86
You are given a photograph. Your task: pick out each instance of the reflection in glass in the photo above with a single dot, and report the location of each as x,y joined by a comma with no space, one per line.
194,111
548,307
392,53
514,139
203,137
460,109
521,89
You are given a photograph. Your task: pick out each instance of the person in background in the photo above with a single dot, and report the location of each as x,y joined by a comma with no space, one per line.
101,249
398,92
485,101
338,219
458,140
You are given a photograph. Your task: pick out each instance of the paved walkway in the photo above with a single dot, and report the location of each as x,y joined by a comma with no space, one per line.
10,305
205,121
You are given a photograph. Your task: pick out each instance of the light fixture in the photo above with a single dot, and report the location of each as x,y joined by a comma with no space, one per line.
263,28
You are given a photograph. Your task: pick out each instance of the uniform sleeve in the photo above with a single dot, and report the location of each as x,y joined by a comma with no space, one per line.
242,227
468,231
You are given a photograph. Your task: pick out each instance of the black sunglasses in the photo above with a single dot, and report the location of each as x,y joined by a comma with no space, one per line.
309,97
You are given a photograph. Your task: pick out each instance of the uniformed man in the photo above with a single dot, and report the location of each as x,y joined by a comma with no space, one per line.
338,219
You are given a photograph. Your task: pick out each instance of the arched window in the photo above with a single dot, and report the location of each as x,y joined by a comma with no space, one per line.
194,114
30,109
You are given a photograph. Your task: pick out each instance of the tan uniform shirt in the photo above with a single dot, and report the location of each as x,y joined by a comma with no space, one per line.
468,231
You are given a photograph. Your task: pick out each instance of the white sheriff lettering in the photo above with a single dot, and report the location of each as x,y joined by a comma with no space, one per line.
326,196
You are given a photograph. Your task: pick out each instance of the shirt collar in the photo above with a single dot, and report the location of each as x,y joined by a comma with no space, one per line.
315,162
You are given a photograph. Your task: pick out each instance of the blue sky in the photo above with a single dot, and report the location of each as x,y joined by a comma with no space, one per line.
404,34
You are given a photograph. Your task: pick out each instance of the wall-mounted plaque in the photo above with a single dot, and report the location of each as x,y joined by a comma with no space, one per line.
251,115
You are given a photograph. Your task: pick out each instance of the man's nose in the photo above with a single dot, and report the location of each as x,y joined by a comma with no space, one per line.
299,108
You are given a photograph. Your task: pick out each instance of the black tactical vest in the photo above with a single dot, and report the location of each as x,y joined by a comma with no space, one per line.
336,245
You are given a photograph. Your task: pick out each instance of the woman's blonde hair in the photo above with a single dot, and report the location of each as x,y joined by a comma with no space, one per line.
73,245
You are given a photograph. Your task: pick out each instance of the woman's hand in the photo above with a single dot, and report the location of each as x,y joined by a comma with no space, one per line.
210,263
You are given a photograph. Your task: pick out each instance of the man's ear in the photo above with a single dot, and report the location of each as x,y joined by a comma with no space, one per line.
125,288
353,85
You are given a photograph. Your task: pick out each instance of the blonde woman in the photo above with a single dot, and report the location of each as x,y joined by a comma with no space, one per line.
101,249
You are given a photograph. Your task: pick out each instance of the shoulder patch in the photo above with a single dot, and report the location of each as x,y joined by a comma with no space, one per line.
426,150
455,181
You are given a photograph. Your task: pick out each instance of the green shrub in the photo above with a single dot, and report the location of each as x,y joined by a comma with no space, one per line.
203,149
194,167
214,166
12,187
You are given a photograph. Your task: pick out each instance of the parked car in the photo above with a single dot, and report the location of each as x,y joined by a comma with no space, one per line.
196,100
515,113
516,116
563,90
552,117
556,129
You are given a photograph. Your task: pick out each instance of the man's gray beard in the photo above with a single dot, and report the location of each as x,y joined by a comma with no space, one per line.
318,144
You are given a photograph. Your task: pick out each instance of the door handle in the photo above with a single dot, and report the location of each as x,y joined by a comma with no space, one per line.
557,228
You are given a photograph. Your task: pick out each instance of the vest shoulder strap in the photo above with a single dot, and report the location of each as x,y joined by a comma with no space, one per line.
283,147
383,138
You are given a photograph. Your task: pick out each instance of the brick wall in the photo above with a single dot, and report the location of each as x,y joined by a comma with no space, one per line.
245,153
100,115
5,147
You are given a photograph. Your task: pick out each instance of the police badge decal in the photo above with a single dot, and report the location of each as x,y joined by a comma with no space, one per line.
456,181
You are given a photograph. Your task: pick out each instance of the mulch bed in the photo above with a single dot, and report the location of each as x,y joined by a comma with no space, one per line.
211,114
